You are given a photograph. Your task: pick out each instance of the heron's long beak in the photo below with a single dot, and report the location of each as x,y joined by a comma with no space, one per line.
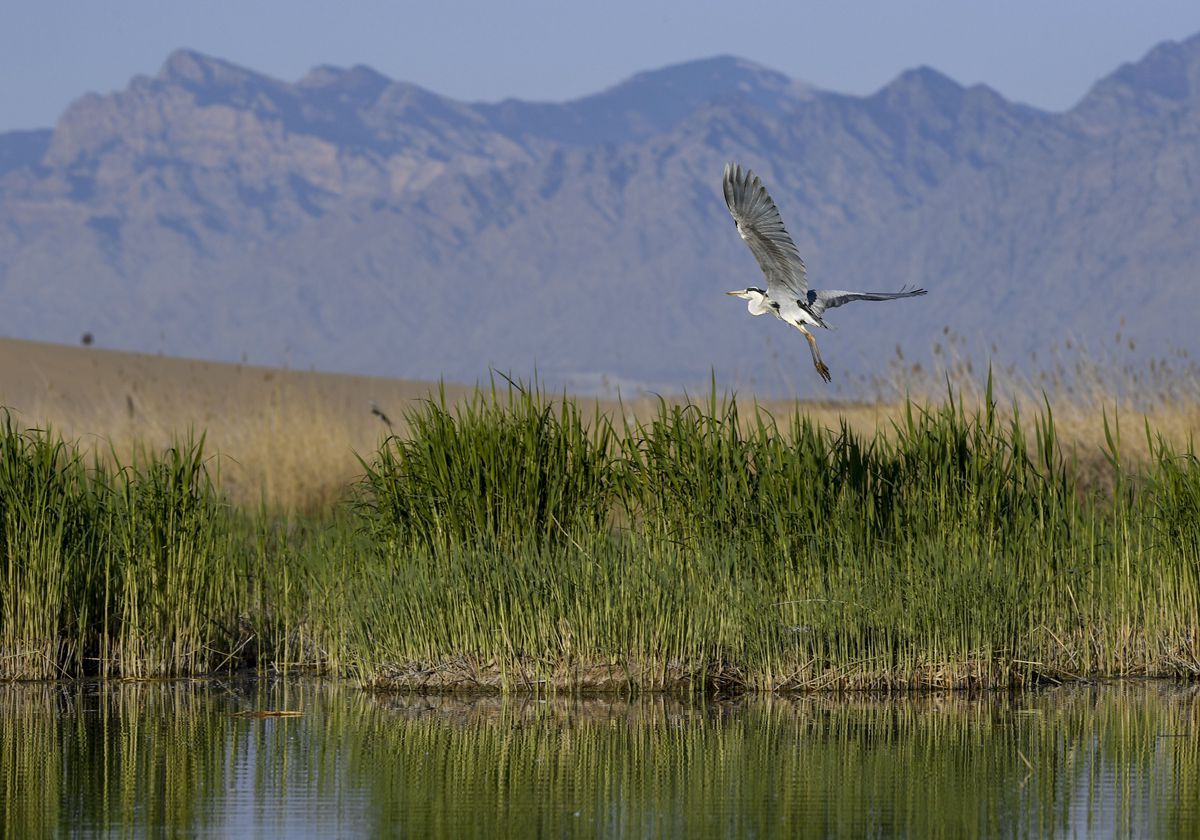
735,294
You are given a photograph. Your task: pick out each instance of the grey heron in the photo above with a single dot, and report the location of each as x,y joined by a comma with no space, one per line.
787,295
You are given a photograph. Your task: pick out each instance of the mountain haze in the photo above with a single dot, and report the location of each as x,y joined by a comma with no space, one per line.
351,222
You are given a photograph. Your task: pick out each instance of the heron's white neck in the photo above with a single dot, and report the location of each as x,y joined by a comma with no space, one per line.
758,303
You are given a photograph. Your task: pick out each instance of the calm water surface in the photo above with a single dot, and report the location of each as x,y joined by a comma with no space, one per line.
175,759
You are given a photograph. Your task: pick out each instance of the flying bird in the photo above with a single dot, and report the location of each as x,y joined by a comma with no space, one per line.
787,295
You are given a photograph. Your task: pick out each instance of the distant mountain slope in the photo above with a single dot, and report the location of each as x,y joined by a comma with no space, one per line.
20,149
350,222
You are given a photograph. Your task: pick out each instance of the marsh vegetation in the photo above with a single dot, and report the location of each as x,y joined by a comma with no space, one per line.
517,540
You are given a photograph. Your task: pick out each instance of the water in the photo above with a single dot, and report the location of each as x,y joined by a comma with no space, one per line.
174,759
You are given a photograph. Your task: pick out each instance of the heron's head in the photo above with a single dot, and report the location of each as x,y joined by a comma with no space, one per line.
759,303
750,293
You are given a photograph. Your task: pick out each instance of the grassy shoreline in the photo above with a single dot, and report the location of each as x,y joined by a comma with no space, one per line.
515,541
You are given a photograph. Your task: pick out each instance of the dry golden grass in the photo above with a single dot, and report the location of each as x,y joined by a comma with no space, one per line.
284,437
288,438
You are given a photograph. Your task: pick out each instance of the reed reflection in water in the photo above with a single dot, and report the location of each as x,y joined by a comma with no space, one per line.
1119,760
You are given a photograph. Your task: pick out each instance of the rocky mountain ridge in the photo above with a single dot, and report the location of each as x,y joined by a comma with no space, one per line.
351,222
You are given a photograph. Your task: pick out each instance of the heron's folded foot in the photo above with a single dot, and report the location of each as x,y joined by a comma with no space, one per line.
823,371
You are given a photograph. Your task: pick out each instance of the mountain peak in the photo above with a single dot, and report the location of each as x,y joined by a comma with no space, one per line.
721,68
1169,71
709,78
923,83
1167,77
647,102
194,68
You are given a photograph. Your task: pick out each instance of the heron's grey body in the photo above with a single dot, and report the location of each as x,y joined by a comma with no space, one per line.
787,295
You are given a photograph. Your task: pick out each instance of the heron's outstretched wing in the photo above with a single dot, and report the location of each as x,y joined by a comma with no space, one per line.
818,300
759,223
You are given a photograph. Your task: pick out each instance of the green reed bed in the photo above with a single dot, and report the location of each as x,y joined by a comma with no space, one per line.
143,570
130,571
717,548
516,543
49,515
304,593
512,465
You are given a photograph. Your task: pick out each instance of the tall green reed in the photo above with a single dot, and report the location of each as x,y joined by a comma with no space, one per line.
956,550
129,571
53,522
174,588
519,465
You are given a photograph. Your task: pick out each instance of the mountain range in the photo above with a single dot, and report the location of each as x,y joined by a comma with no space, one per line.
350,222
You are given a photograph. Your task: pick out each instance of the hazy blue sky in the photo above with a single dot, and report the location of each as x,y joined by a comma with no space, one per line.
1044,53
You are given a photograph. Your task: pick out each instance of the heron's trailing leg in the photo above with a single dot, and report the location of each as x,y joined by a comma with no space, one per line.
816,354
